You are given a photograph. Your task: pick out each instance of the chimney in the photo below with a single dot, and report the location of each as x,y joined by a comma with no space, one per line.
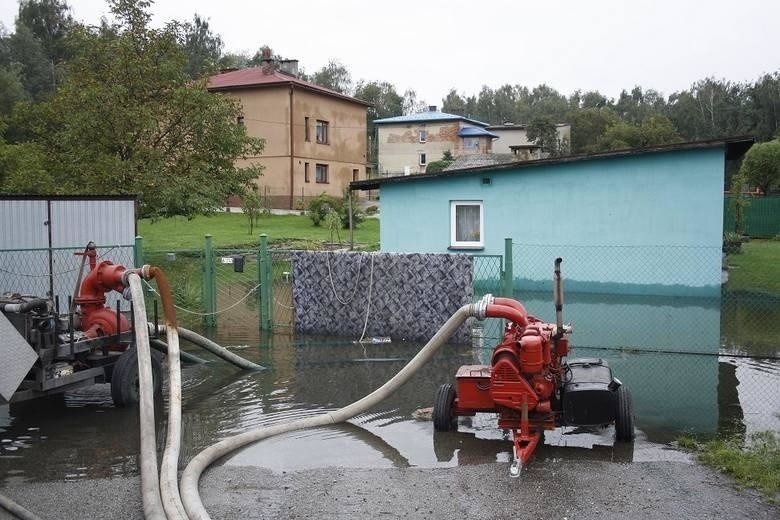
267,62
289,67
432,108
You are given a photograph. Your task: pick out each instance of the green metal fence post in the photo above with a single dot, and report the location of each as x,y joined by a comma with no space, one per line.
138,251
508,276
264,266
209,284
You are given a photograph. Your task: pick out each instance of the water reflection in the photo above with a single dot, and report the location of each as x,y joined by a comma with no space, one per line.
83,436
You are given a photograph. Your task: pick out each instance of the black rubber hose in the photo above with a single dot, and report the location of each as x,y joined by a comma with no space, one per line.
41,304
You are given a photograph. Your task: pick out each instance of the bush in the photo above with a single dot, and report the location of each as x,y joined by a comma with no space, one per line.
321,205
732,242
372,210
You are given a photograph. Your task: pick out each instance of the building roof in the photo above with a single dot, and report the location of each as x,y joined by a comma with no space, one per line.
519,126
474,131
478,160
428,116
258,77
735,147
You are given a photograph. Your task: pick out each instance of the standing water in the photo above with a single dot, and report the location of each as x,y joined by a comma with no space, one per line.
82,436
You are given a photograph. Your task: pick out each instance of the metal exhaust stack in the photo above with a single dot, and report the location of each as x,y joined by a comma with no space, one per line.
558,298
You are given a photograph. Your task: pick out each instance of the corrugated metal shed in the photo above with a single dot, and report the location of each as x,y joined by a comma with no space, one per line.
39,236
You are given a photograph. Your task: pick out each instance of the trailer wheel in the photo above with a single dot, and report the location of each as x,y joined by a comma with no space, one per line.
443,418
624,418
124,379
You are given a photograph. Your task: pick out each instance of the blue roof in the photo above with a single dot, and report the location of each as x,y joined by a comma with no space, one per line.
428,116
472,131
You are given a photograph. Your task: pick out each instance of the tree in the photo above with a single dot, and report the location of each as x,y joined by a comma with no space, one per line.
39,44
412,105
385,101
761,166
334,76
453,103
202,47
588,126
35,70
128,119
252,206
654,130
11,89
543,132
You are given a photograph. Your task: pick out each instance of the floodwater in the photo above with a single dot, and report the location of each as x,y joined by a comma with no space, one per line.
82,436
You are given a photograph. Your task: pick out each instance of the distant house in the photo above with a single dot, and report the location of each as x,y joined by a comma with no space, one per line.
406,144
315,138
645,221
513,138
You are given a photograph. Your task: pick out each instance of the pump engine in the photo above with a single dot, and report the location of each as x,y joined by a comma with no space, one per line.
531,386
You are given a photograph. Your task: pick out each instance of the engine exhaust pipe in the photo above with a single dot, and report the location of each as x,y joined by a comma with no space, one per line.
558,298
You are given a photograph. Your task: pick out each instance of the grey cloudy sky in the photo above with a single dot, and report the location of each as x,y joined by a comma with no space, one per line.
432,46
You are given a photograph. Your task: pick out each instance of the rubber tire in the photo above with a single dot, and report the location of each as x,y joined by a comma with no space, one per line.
624,418
124,378
443,418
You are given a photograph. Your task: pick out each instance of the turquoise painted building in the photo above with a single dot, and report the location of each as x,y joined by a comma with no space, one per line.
646,221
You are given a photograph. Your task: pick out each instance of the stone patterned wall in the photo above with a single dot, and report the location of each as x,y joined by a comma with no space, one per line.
411,295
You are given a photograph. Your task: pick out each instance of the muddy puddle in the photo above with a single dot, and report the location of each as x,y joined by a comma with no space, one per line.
82,436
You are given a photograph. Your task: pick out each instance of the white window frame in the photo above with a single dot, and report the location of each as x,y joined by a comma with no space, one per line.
422,159
423,134
467,244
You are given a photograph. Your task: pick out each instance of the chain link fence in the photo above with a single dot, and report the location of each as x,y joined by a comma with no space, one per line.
687,330
53,272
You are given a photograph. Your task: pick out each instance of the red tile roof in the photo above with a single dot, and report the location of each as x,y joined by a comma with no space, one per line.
256,77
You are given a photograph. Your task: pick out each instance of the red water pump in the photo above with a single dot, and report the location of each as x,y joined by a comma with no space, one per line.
96,318
530,385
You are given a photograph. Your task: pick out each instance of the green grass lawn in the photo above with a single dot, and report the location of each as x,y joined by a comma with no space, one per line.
756,268
232,230
756,465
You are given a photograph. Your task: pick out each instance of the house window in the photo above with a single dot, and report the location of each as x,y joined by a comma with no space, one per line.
305,172
423,136
322,132
355,174
471,143
467,225
423,160
306,129
321,174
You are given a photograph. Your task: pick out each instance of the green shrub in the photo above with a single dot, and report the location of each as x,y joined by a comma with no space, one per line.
372,210
321,205
732,242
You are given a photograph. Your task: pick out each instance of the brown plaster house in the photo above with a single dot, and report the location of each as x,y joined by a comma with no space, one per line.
315,138
408,143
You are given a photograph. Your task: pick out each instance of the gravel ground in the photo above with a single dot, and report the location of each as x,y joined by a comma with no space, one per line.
547,489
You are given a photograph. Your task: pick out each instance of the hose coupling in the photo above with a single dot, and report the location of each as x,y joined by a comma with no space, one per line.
142,272
480,307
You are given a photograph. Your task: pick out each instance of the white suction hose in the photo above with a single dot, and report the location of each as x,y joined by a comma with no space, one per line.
169,472
217,350
150,484
196,467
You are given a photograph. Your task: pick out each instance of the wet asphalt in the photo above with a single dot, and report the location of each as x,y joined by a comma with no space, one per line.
549,489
